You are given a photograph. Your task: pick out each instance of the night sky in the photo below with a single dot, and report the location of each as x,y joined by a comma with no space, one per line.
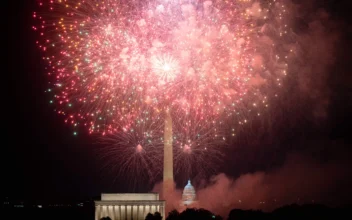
42,159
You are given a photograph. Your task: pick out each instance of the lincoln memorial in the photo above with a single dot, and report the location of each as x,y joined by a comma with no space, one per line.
128,206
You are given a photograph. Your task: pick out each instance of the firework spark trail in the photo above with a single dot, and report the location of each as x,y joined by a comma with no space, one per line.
135,151
139,150
197,148
198,145
114,62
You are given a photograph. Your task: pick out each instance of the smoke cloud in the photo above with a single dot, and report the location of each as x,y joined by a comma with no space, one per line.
302,179
173,200
315,41
319,176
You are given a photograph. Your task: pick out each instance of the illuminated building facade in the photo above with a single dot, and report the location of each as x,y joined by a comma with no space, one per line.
128,206
189,195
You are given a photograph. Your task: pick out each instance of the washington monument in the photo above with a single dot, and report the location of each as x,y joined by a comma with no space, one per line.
168,177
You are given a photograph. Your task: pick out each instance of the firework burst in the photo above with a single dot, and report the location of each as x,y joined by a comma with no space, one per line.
113,63
134,151
198,147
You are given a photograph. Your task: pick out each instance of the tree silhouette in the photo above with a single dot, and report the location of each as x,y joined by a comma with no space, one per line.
149,216
190,214
156,216
173,215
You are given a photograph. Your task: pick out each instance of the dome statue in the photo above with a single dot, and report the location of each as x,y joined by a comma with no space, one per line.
189,194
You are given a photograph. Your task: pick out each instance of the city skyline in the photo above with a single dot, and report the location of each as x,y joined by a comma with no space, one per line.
43,159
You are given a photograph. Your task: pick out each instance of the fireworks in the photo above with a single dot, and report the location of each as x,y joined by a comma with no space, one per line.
115,63
137,151
198,145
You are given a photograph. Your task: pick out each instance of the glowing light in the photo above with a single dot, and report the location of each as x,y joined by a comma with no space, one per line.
165,68
186,148
139,148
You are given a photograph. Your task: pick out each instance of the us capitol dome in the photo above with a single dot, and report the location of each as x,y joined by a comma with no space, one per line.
189,195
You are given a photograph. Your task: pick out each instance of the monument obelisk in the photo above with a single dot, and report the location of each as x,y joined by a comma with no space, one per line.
168,178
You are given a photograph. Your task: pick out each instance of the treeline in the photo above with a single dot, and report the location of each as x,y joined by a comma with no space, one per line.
294,212
289,212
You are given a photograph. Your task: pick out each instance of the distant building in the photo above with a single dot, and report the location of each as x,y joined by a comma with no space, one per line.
189,197
128,206
6,202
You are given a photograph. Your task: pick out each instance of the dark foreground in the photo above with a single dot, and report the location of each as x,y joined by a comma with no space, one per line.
87,213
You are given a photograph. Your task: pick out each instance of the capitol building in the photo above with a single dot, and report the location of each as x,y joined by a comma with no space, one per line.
189,197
